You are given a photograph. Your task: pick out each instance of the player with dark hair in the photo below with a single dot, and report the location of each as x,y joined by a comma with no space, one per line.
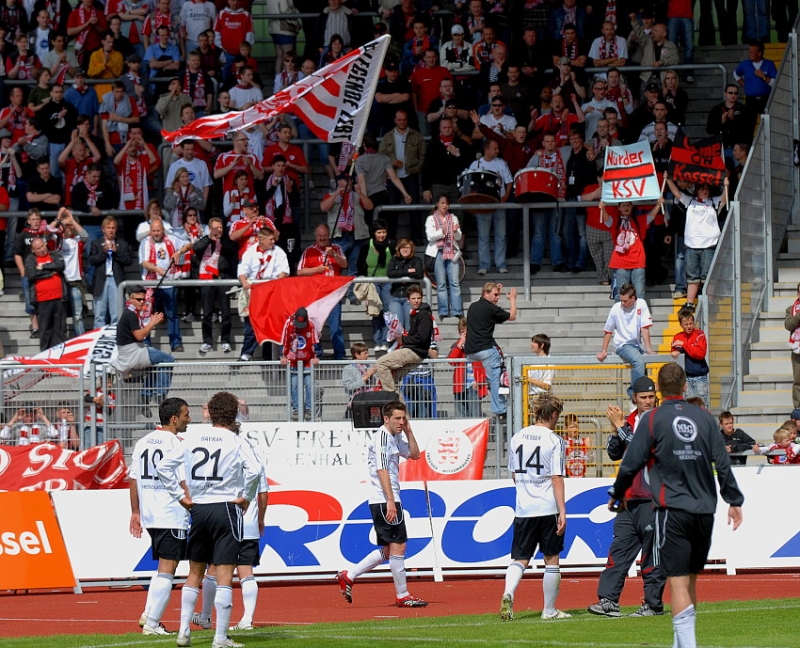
536,461
222,478
383,458
683,449
153,508
634,525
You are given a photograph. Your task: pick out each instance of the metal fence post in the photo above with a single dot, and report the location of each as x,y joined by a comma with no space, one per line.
738,351
769,262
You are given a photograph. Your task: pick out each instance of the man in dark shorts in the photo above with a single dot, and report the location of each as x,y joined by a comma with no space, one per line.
383,459
536,461
634,525
222,479
682,444
481,346
153,508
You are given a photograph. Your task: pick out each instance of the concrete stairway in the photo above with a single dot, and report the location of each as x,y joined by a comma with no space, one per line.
766,400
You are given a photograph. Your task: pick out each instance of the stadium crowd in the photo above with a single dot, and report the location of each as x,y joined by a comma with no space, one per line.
497,86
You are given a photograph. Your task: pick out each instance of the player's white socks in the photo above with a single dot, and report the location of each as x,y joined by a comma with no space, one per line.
398,566
683,624
250,598
209,591
158,598
223,604
188,601
514,574
551,583
148,604
370,561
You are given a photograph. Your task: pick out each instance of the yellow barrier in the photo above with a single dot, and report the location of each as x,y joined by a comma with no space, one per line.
586,390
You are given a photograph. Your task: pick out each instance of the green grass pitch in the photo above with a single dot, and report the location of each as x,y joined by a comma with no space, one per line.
729,624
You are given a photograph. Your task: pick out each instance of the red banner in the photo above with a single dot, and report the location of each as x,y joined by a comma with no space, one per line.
450,455
697,163
49,467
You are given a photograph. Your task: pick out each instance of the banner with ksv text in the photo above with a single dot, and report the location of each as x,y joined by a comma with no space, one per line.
629,174
322,527
451,449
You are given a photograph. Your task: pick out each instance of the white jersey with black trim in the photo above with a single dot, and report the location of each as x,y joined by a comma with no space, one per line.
220,466
251,530
535,455
157,508
384,454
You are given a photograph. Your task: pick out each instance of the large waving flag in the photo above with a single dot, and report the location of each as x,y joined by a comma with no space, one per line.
697,163
629,174
97,347
273,302
334,102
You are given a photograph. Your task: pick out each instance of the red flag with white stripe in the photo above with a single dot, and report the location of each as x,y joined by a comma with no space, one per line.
334,102
273,302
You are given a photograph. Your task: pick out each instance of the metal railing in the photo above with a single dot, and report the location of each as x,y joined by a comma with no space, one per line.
431,391
741,279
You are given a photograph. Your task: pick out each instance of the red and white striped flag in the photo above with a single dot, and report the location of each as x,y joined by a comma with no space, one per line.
273,302
334,102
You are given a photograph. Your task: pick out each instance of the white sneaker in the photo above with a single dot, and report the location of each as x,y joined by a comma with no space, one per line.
200,621
226,348
142,621
226,643
558,614
245,357
183,640
205,348
158,630
240,626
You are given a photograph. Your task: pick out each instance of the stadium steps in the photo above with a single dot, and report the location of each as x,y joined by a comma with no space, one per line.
766,400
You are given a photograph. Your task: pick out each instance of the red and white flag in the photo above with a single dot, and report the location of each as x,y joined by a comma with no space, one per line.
98,347
333,102
273,302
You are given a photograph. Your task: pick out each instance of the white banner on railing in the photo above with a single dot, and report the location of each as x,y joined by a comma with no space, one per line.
336,450
321,527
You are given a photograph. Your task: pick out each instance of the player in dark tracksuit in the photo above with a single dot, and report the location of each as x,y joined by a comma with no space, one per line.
634,525
682,448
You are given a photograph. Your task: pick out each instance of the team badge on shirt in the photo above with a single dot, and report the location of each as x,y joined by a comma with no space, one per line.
684,428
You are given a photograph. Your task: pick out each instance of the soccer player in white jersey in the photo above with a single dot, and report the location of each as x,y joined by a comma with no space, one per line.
153,508
536,463
383,458
249,557
222,477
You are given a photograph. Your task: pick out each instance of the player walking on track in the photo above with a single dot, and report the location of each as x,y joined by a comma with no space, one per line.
536,460
222,478
153,508
683,447
383,458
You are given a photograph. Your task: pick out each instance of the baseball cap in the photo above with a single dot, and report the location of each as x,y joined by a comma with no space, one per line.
457,29
652,87
249,202
391,65
795,414
4,132
80,72
564,60
643,384
301,318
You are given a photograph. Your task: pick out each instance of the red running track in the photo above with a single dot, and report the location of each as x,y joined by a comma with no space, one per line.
117,611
